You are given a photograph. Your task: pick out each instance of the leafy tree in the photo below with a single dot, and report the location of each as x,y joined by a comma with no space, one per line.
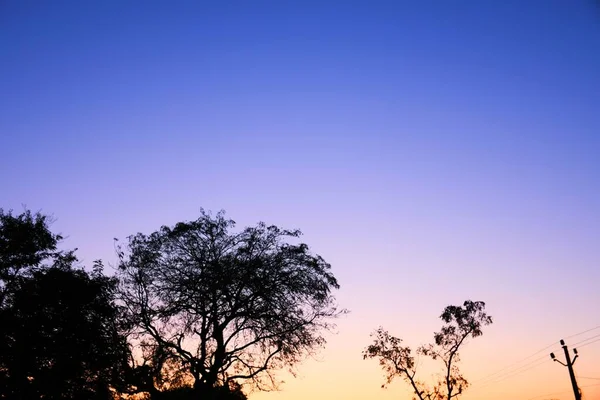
225,306
59,332
26,243
460,323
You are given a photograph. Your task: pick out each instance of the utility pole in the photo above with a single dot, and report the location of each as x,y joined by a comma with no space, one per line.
569,365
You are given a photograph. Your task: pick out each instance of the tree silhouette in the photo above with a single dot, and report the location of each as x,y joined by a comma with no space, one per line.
26,244
460,323
223,306
59,333
233,392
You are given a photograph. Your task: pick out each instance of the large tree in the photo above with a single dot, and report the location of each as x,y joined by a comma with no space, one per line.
59,332
223,306
460,323
26,244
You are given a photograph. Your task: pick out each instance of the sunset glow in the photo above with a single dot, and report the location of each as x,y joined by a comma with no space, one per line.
431,152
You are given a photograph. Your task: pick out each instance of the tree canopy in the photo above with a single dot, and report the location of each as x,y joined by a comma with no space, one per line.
26,243
59,333
216,307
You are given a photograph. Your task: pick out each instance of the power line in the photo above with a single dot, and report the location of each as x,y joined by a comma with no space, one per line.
569,364
564,391
485,378
583,345
585,340
510,371
581,333
510,366
518,371
587,377
548,394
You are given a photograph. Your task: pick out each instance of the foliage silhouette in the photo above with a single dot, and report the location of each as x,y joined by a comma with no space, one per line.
222,307
188,393
460,323
59,333
26,244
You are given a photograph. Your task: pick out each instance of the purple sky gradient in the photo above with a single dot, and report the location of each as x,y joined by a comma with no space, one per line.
431,151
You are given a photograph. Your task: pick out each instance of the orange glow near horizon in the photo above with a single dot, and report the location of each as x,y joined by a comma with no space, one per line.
342,374
431,152
498,366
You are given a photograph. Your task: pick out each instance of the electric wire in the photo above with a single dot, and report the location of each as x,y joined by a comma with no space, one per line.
502,371
510,366
581,333
564,391
586,340
527,367
583,345
514,369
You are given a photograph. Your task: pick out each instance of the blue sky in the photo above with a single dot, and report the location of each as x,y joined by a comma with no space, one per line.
451,145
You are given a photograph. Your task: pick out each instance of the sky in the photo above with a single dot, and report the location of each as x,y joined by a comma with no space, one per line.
431,151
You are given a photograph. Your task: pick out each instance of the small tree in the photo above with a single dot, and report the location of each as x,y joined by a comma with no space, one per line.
224,306
460,323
